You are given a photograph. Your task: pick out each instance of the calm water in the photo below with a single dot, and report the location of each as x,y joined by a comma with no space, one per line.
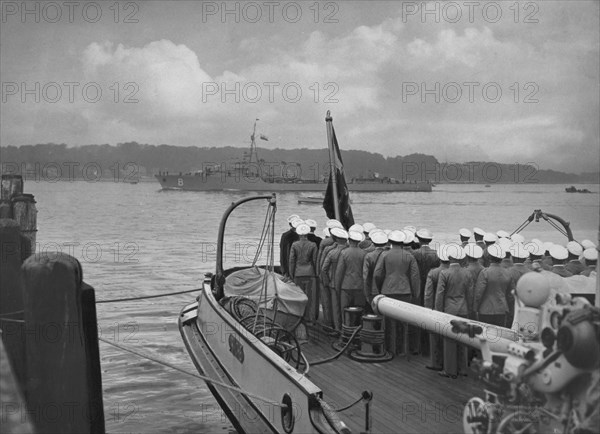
136,240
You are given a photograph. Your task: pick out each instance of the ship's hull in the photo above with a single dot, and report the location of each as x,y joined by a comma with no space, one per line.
226,352
243,183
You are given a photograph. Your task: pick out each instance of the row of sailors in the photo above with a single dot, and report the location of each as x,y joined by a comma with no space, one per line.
349,268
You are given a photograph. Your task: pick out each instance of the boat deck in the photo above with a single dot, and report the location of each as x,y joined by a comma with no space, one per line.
407,398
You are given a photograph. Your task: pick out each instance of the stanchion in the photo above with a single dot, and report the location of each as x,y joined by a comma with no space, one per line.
372,341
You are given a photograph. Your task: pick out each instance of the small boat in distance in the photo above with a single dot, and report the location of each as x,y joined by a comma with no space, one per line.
311,200
254,174
572,189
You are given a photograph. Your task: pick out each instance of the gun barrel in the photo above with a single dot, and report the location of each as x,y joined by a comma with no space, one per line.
498,338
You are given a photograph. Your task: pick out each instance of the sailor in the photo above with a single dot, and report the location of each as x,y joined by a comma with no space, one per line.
349,273
367,244
465,236
311,235
408,241
303,270
380,240
590,255
518,254
331,302
327,242
506,244
547,258
435,340
502,234
285,244
493,290
517,238
426,260
473,254
535,248
397,276
488,239
559,256
574,265
587,244
479,233
324,294
453,296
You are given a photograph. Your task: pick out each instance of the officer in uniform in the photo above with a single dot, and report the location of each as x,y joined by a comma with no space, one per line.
547,259
559,256
380,240
465,236
494,290
302,269
488,240
435,339
397,276
590,255
311,235
453,296
407,244
426,260
349,273
519,254
285,244
328,275
535,248
327,242
574,265
367,244
479,233
506,245
473,254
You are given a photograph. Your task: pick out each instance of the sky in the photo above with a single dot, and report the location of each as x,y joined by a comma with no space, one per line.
512,82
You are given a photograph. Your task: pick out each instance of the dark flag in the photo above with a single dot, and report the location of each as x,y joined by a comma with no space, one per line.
346,217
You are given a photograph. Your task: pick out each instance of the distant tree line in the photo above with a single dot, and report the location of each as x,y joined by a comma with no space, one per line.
134,160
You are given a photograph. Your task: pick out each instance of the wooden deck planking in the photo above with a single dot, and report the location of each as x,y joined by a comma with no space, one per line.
407,397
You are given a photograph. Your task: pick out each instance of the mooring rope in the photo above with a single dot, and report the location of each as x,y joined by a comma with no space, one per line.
146,296
191,374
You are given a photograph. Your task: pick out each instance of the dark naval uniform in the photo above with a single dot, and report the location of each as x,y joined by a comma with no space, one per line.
561,270
574,266
435,340
371,258
287,239
427,259
302,269
331,313
397,276
315,239
349,278
493,294
366,245
454,294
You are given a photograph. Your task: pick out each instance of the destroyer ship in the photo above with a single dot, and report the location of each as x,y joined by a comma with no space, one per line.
253,174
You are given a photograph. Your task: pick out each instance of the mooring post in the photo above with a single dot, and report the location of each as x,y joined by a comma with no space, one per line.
11,296
25,213
11,185
63,366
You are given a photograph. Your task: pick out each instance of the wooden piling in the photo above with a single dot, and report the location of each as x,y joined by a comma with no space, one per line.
64,390
25,213
11,185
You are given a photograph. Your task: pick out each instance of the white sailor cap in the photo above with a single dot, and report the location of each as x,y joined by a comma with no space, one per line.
503,234
372,231
505,243
496,251
378,237
296,223
464,232
478,231
474,251
517,238
312,223
590,254
356,227
425,234
535,247
339,233
574,248
410,228
547,246
292,218
441,252
454,251
586,244
303,229
332,223
409,236
518,250
397,236
558,252
326,232
490,237
356,236
368,227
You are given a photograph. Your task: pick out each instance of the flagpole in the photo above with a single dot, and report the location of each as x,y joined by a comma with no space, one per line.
336,206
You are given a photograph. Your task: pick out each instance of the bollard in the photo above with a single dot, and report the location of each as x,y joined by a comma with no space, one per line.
25,213
11,185
11,296
63,366
350,323
372,341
